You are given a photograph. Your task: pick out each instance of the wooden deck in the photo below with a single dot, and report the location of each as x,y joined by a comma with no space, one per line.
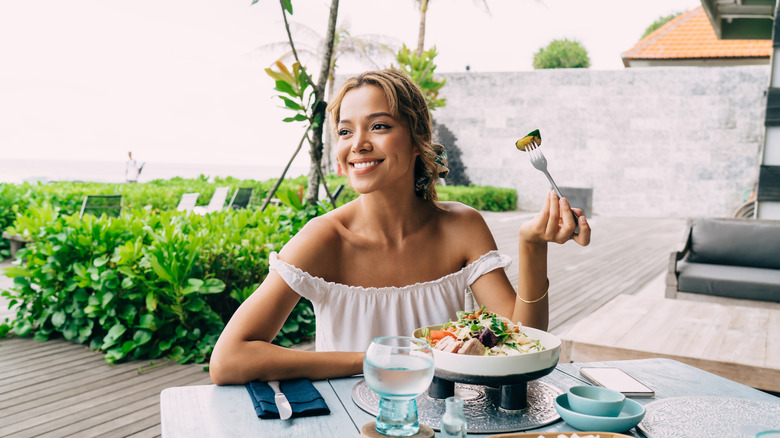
624,256
59,389
736,342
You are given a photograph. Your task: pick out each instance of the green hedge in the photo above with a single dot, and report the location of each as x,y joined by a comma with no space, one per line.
147,284
156,195
162,195
154,282
482,198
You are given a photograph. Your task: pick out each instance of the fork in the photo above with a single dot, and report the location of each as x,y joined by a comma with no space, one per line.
533,147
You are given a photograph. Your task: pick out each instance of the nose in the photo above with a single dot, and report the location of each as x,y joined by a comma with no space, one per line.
361,141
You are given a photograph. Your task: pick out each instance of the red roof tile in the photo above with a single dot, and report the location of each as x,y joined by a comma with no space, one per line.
690,35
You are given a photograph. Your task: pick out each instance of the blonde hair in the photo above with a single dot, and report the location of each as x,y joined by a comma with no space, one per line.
406,102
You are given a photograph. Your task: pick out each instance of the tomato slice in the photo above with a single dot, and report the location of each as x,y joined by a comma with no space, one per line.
440,334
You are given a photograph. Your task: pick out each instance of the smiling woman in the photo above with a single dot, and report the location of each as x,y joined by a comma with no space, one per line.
392,260
373,145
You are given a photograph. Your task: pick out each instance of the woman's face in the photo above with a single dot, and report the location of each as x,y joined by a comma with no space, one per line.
374,148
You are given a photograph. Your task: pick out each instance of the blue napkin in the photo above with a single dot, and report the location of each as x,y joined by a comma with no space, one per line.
304,398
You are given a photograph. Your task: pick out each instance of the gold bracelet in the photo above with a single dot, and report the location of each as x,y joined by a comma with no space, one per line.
547,289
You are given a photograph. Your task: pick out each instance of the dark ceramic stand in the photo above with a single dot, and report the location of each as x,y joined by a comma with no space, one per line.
513,396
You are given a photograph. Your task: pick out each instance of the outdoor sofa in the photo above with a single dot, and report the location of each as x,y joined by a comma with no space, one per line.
734,258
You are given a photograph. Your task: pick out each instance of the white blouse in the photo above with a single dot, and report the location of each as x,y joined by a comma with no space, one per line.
349,317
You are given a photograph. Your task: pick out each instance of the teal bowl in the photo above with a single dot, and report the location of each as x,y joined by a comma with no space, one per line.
595,400
629,417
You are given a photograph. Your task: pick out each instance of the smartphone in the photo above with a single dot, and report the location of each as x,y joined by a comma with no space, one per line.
617,379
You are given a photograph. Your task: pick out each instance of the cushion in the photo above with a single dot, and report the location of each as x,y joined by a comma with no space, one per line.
729,281
736,242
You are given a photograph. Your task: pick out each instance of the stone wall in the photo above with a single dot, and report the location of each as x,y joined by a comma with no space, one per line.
656,142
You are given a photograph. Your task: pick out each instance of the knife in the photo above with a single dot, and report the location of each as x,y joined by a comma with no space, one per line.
285,410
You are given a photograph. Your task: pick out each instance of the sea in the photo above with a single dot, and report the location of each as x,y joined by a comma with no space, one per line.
18,171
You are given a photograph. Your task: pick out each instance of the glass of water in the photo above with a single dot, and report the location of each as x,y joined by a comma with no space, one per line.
398,368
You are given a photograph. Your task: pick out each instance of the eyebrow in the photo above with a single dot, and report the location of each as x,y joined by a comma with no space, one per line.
369,117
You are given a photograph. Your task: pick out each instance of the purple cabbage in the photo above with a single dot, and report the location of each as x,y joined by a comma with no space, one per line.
487,338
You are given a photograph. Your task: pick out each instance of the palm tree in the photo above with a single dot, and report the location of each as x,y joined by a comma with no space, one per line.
318,108
375,51
423,15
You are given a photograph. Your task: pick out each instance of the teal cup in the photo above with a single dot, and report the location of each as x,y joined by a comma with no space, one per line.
596,401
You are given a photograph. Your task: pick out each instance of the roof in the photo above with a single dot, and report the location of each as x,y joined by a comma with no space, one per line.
691,36
741,19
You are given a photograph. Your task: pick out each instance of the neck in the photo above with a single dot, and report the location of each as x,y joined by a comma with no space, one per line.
391,217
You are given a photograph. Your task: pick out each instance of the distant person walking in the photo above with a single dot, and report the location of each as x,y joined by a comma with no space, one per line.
132,169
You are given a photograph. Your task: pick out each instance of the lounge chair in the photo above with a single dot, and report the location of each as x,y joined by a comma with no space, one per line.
187,202
241,198
111,205
337,192
217,202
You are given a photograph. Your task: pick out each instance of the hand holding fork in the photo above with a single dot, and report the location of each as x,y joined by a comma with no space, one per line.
532,143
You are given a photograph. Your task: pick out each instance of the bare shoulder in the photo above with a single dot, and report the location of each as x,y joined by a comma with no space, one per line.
466,227
316,245
455,214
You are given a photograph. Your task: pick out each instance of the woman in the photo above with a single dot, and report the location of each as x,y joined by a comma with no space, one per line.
390,261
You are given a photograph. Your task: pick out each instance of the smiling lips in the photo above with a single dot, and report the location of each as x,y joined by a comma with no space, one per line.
365,164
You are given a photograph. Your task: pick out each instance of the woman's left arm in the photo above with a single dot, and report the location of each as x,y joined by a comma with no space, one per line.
530,305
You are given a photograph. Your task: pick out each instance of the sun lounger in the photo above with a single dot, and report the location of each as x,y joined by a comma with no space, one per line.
241,198
217,202
97,205
187,202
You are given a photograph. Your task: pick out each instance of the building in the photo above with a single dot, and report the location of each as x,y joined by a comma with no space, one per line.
690,40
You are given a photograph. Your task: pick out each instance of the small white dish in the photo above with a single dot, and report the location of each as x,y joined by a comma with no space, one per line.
629,417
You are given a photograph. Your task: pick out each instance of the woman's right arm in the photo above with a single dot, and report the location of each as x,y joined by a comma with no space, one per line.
244,351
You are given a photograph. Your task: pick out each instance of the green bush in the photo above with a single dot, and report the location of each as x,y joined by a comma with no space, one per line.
658,23
562,54
11,196
154,282
483,198
147,284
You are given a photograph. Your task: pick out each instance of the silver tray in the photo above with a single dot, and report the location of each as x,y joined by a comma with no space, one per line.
480,405
720,417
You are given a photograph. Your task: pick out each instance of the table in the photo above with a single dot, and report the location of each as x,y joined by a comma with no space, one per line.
212,411
736,342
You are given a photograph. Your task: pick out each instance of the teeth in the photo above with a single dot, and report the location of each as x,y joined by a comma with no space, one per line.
365,164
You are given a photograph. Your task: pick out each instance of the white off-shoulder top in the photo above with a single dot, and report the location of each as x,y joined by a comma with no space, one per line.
349,317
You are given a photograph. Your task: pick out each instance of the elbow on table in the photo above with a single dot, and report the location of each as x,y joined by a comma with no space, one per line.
219,372
224,371
233,370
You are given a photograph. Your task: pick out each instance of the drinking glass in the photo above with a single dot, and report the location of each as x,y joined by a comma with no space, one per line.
398,368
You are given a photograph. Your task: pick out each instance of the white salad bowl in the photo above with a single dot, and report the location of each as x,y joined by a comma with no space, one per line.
497,369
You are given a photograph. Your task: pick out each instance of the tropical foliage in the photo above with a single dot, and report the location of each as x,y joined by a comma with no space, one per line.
155,282
309,106
562,54
658,23
421,69
146,284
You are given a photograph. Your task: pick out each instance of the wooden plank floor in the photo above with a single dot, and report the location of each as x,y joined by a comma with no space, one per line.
59,389
623,256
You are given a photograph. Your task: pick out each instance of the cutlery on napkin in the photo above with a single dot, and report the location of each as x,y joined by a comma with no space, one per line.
285,410
302,399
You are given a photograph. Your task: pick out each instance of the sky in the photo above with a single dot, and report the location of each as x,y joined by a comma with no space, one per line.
183,81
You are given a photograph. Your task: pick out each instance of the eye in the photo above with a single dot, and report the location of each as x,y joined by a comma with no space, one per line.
380,126
343,132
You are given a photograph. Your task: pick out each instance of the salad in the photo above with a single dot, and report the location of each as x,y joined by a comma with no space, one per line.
481,333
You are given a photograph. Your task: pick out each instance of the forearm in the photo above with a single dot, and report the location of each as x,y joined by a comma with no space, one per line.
258,360
532,285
